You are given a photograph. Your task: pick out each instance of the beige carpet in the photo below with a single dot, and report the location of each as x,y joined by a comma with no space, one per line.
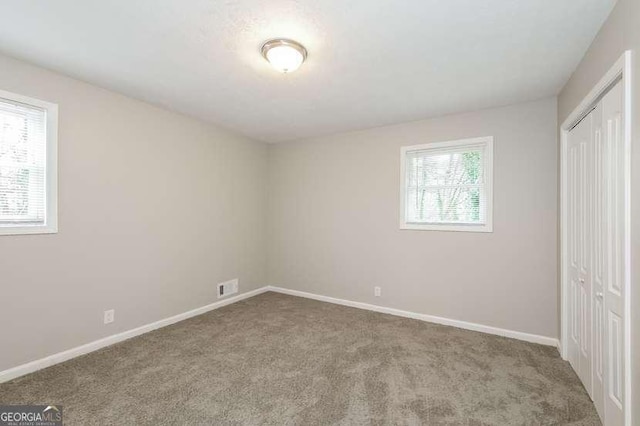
276,359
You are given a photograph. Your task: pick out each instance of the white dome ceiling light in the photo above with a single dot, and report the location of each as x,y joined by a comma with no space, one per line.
283,54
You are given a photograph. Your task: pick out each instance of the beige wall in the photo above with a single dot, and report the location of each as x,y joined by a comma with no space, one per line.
334,215
154,209
620,32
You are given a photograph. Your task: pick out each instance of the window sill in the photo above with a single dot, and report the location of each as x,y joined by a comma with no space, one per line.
28,230
446,227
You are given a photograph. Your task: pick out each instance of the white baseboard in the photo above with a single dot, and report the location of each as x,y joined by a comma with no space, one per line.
527,337
48,361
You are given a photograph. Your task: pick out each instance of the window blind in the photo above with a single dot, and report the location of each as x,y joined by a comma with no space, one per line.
445,186
22,164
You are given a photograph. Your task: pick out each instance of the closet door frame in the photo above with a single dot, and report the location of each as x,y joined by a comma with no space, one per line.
620,70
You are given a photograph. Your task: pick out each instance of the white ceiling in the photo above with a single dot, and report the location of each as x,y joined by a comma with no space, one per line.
371,62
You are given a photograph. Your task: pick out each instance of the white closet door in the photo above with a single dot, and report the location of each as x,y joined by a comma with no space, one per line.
614,278
579,180
599,253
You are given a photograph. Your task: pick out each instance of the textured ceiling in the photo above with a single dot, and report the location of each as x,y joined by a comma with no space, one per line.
371,62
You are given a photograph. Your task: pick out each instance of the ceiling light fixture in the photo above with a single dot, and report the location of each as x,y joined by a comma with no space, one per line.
283,54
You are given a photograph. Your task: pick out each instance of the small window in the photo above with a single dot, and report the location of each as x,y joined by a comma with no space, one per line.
28,156
447,186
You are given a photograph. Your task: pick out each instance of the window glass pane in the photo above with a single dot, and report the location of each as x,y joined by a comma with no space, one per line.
22,164
452,205
445,186
445,168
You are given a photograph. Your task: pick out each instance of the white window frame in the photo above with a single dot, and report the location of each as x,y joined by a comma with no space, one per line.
51,173
487,142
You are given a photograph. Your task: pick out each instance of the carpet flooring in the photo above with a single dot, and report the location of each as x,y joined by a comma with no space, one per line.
282,360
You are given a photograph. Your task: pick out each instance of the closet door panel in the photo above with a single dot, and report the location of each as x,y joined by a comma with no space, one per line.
599,255
579,233
615,274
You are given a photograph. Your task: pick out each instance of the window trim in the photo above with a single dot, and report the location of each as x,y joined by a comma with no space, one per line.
51,176
487,141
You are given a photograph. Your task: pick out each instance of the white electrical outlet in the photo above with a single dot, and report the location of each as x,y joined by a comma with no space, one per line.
109,316
228,287
377,291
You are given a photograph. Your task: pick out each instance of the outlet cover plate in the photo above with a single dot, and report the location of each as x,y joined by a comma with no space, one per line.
109,316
